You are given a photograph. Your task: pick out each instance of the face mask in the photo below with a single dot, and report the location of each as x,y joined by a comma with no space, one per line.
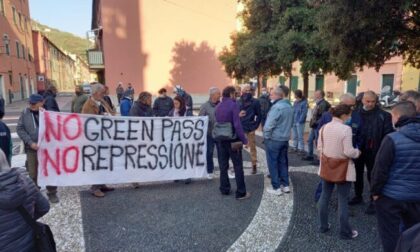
247,96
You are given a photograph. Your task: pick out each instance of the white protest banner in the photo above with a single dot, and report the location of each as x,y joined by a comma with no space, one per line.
78,149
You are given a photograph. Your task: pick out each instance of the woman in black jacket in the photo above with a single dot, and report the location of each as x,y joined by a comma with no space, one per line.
143,106
17,189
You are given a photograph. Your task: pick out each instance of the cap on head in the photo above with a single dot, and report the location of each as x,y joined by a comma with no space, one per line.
35,98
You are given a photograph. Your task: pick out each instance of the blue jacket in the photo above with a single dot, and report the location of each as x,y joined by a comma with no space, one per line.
403,181
125,106
252,119
300,110
279,121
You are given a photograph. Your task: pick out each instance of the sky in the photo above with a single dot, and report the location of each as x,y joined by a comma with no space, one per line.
72,16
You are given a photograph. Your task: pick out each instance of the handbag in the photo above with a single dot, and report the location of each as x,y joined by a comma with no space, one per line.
236,146
223,132
44,239
333,170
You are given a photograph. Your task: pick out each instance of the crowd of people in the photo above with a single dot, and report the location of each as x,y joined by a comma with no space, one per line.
357,132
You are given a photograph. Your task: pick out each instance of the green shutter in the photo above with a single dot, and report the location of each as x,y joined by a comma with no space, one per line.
294,83
319,82
352,85
282,80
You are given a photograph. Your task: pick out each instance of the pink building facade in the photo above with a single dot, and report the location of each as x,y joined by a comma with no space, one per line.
17,70
53,66
394,73
155,44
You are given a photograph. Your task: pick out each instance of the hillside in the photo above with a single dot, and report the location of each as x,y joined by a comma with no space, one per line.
64,40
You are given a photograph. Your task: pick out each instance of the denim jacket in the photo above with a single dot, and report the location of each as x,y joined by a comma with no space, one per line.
300,110
279,121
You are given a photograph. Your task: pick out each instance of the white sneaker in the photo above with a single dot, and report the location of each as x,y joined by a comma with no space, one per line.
274,191
285,189
231,175
210,176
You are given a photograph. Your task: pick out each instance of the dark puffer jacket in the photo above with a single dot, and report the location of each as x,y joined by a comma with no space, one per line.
375,125
252,119
404,174
140,109
17,189
162,106
50,102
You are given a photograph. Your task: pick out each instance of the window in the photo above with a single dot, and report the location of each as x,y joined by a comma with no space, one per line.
26,24
17,49
2,7
23,52
20,20
29,55
14,15
6,44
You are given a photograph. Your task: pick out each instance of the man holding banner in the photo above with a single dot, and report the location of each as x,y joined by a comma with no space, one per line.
28,129
96,105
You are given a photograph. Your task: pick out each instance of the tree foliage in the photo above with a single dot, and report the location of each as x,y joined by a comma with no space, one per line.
277,33
337,36
369,32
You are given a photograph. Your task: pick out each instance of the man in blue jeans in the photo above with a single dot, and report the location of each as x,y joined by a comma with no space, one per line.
321,106
276,139
209,109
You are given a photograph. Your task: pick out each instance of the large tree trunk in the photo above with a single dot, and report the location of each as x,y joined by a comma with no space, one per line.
259,84
305,84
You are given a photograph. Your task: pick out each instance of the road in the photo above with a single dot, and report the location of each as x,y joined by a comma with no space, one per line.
14,110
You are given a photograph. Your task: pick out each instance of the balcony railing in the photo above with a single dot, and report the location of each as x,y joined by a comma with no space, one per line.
95,59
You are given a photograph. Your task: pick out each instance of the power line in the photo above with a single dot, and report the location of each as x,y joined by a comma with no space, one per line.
195,11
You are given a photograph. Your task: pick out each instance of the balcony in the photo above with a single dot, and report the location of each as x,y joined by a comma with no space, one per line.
95,59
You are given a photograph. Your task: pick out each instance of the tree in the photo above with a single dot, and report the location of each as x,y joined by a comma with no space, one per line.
362,33
299,39
277,33
253,52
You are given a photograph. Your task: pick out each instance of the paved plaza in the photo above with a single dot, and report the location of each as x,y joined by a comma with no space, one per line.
177,217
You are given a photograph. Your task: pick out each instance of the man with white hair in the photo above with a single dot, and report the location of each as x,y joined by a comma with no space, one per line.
276,139
209,109
96,105
250,119
377,123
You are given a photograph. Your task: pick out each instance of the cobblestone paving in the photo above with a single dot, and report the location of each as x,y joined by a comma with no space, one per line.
303,235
